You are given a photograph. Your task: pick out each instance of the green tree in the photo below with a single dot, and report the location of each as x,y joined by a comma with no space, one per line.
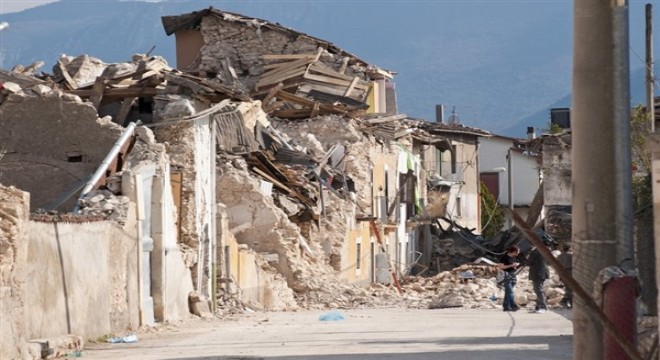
552,129
492,216
642,196
639,131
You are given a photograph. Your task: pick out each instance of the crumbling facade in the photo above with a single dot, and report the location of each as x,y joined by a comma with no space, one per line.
239,182
557,184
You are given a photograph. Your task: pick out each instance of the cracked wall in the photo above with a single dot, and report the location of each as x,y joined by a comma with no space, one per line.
52,141
14,212
76,295
365,161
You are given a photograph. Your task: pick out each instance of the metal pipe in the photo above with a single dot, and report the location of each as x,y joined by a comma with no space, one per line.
106,162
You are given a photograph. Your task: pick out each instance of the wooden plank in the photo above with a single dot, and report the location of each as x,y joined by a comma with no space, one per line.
270,95
326,70
126,106
352,86
269,165
329,89
385,119
315,110
192,85
215,86
145,75
287,56
280,76
97,92
275,106
285,67
127,92
65,74
306,102
331,80
287,190
589,304
292,113
287,86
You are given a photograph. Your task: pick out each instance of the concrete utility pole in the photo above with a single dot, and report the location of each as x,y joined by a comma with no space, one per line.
602,178
650,105
509,182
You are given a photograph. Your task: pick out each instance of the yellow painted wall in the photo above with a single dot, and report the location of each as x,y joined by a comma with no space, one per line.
374,98
350,272
259,288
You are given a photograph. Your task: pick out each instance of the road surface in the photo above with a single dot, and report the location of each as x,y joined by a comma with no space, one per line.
383,333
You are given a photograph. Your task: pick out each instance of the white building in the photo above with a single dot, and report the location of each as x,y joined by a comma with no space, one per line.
522,172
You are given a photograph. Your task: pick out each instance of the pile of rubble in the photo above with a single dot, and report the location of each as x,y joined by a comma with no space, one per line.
468,286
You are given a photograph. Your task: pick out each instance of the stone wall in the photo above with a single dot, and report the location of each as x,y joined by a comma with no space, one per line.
14,212
241,43
52,141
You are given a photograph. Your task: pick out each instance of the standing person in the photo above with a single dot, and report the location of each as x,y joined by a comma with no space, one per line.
566,260
538,273
509,264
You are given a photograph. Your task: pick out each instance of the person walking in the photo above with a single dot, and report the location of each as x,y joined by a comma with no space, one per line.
538,274
566,260
509,263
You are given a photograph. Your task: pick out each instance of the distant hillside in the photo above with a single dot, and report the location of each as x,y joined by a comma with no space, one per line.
495,62
541,119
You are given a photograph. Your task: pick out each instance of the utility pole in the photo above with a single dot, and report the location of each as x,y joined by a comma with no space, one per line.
602,175
645,239
509,173
650,105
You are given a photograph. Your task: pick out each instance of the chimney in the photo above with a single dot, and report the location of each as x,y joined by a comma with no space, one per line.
531,135
440,113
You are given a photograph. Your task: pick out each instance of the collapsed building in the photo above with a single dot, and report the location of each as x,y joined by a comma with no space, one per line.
270,170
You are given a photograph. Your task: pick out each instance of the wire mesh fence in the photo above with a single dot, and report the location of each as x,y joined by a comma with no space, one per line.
607,299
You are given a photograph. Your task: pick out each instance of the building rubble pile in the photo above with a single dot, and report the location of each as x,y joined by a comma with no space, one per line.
296,239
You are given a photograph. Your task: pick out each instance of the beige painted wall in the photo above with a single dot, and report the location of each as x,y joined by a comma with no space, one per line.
358,270
81,279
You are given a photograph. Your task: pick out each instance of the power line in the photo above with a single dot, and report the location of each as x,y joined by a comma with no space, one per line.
646,66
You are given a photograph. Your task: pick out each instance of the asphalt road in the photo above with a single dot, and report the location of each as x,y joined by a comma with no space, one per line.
391,333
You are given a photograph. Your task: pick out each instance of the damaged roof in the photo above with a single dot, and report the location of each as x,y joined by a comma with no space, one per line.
442,128
189,21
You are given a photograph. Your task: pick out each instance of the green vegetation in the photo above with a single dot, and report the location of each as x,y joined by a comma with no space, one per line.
552,129
492,216
641,161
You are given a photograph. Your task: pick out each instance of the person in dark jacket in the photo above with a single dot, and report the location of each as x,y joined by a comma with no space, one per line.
566,259
509,263
538,274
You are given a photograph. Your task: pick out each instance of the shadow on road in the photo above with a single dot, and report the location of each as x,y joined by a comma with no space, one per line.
477,348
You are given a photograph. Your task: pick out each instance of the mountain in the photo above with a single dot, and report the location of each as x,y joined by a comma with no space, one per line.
540,120
497,63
